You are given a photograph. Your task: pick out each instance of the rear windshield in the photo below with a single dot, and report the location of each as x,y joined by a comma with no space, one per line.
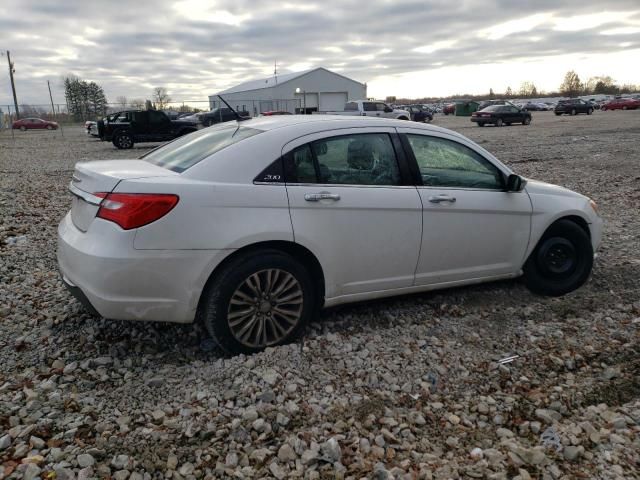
492,108
186,151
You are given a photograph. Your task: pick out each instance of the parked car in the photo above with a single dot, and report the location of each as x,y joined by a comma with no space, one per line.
573,106
449,109
368,108
276,112
253,226
500,115
488,103
418,113
535,107
219,115
91,128
34,124
129,127
621,104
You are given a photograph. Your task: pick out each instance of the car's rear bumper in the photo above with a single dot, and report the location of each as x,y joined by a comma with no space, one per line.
116,281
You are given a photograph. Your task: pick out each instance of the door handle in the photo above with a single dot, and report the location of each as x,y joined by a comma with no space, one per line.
442,198
316,197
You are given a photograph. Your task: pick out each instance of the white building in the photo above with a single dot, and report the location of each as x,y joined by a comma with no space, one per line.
318,90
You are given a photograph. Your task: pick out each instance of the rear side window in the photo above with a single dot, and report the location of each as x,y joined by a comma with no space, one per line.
186,151
359,159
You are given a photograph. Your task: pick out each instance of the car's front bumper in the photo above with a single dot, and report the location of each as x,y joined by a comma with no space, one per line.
118,282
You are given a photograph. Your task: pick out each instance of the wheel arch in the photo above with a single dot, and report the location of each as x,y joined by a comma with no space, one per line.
572,217
297,251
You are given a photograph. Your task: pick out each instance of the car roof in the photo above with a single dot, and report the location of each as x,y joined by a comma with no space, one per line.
315,123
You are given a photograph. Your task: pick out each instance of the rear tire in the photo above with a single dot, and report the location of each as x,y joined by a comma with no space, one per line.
561,262
481,124
246,292
499,122
573,112
123,141
558,114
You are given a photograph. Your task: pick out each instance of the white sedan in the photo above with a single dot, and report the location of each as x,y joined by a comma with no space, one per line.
252,226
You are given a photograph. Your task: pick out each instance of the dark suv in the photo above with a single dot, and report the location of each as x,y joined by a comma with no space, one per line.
136,126
573,106
219,115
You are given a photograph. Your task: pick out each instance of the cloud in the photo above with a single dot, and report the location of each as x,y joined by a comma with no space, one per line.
198,47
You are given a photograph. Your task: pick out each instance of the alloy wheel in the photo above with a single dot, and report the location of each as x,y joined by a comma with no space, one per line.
265,308
124,141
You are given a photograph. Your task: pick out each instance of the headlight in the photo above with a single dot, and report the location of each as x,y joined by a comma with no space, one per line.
594,205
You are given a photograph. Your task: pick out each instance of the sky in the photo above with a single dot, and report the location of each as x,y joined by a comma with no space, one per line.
404,48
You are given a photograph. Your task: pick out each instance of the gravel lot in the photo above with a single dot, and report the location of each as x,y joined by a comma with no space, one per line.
403,388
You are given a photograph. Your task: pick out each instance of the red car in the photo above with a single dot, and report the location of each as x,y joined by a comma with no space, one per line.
449,109
621,104
276,112
34,124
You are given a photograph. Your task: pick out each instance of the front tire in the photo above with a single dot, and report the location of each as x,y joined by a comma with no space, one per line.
499,122
526,121
260,299
481,124
49,127
561,262
558,114
590,111
123,141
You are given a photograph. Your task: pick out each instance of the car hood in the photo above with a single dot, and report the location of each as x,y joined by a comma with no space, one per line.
536,187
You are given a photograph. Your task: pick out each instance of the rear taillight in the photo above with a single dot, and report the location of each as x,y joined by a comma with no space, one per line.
133,210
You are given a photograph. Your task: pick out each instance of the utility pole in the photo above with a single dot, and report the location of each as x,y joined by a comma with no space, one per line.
53,109
13,86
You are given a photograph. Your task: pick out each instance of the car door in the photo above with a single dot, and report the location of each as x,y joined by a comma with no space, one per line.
352,204
159,127
513,114
473,229
369,109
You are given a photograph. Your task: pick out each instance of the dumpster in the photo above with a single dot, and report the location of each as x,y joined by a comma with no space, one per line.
464,108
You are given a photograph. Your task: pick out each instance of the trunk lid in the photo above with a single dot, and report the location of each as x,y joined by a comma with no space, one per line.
90,178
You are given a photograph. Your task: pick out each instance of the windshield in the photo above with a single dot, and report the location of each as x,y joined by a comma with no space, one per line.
186,151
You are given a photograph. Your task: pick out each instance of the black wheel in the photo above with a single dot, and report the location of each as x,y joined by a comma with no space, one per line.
123,141
481,124
508,124
526,121
258,300
499,122
573,112
49,127
624,108
561,262
590,111
558,114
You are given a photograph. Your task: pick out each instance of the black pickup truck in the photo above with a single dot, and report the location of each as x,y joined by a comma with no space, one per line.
126,128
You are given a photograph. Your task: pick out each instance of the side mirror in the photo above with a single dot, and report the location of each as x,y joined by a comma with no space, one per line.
515,183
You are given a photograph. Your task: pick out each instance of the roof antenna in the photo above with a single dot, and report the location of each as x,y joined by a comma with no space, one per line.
275,70
239,117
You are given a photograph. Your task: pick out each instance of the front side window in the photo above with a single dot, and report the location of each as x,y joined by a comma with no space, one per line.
359,159
186,151
445,163
368,106
380,107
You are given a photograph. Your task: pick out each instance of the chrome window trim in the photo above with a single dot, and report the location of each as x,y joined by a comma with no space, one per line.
86,196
